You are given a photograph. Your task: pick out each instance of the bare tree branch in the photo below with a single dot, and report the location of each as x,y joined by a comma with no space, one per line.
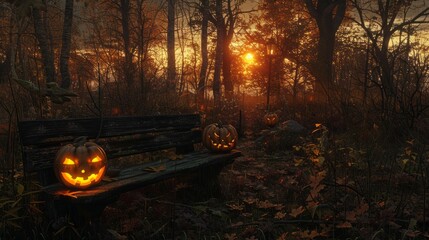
413,20
311,8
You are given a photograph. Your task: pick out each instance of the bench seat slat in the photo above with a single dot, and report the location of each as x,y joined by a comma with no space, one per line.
137,177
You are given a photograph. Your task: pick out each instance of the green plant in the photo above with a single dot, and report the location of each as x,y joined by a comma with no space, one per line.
18,207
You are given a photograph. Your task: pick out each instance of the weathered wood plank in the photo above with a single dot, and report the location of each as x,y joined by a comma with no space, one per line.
37,159
55,131
138,177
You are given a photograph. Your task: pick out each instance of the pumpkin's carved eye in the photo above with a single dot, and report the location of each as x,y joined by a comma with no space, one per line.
68,161
96,159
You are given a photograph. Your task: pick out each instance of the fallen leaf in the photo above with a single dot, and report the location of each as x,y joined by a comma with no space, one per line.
344,225
180,186
250,200
231,236
314,193
235,206
69,194
298,162
283,236
237,224
173,156
158,168
297,211
280,215
266,204
279,207
316,151
297,148
316,179
247,214
310,235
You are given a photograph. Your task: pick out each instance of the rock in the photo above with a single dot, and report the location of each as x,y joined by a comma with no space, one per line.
292,126
285,136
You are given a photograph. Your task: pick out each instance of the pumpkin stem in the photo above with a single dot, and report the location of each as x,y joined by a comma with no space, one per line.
80,141
220,124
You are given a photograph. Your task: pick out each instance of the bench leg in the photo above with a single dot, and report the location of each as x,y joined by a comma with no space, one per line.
205,185
84,216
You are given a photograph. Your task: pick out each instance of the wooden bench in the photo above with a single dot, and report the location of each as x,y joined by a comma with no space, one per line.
120,137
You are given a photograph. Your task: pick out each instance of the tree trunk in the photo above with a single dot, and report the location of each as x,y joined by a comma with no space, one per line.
228,29
295,84
204,51
226,69
329,16
125,21
171,68
385,65
220,36
140,50
66,44
325,57
45,47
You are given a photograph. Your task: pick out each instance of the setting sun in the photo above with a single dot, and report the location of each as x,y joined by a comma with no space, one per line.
249,58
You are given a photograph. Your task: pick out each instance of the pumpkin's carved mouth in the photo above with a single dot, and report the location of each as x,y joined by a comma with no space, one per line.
81,181
220,145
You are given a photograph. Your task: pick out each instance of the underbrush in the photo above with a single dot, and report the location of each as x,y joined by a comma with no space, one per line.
358,186
350,185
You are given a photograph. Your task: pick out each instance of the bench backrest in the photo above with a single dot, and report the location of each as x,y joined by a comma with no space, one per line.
119,136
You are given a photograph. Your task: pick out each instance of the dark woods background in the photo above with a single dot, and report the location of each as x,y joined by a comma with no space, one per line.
365,62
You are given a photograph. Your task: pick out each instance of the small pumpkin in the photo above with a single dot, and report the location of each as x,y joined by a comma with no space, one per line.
220,138
81,164
271,119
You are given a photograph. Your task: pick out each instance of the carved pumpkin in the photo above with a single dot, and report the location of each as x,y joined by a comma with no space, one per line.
220,138
81,164
271,119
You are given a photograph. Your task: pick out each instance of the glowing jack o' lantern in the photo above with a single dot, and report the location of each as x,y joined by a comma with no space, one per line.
220,138
271,119
81,164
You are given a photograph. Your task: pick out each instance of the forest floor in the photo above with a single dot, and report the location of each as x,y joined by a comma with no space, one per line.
254,200
300,192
